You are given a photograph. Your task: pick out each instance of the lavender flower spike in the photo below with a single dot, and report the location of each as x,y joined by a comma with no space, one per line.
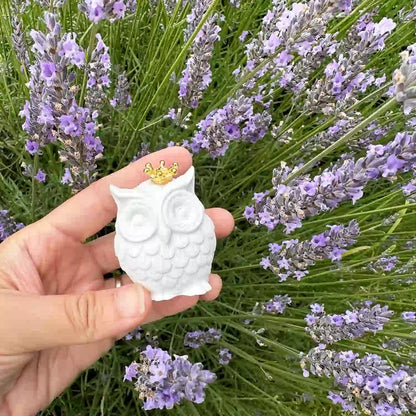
277,305
163,382
224,356
98,71
292,258
122,97
112,10
8,225
199,338
18,7
193,19
52,113
346,76
328,329
304,197
368,382
197,75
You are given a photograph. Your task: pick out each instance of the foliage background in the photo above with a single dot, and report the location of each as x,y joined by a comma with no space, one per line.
261,380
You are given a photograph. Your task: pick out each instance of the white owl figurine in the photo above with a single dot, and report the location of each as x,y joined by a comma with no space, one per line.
164,240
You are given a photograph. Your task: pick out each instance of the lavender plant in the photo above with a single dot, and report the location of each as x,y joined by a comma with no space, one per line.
352,324
98,72
292,258
277,305
17,9
368,384
224,356
122,97
163,382
344,75
296,199
52,113
198,338
111,10
285,31
197,75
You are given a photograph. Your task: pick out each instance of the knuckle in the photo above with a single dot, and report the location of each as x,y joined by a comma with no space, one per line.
82,314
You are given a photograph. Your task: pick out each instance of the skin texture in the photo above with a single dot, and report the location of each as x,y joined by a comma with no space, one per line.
57,313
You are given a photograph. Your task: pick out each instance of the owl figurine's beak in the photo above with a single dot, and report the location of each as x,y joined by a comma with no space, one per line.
164,234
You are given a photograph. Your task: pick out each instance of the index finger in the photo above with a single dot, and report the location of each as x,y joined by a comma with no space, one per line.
93,208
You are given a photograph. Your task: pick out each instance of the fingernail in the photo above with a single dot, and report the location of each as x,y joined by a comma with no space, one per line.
131,301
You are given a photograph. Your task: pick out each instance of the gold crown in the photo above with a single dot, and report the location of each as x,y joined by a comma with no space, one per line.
162,174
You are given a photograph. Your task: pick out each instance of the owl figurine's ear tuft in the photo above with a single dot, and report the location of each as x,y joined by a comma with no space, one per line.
120,195
186,181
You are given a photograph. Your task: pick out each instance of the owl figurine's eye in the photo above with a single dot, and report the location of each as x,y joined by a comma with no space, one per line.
182,211
137,222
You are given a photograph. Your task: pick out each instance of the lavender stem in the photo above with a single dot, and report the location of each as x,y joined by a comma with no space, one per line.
383,109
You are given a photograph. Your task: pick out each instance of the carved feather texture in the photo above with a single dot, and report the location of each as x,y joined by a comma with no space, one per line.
164,240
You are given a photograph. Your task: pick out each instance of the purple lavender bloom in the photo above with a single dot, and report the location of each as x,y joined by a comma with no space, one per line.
70,50
119,8
409,316
194,18
310,319
32,147
224,356
265,263
249,212
67,177
316,308
122,98
131,372
345,123
383,264
134,334
40,176
197,339
367,382
98,71
8,225
48,72
342,182
295,258
243,36
336,254
337,320
354,324
18,8
277,305
52,113
163,382
344,76
112,10
196,77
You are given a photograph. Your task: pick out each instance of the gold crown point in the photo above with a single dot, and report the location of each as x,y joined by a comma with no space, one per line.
162,175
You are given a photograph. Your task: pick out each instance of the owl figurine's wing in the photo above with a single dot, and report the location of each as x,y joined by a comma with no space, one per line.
191,262
182,268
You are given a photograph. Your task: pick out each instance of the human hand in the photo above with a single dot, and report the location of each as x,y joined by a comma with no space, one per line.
58,314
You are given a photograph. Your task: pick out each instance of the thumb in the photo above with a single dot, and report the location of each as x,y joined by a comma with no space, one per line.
38,322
